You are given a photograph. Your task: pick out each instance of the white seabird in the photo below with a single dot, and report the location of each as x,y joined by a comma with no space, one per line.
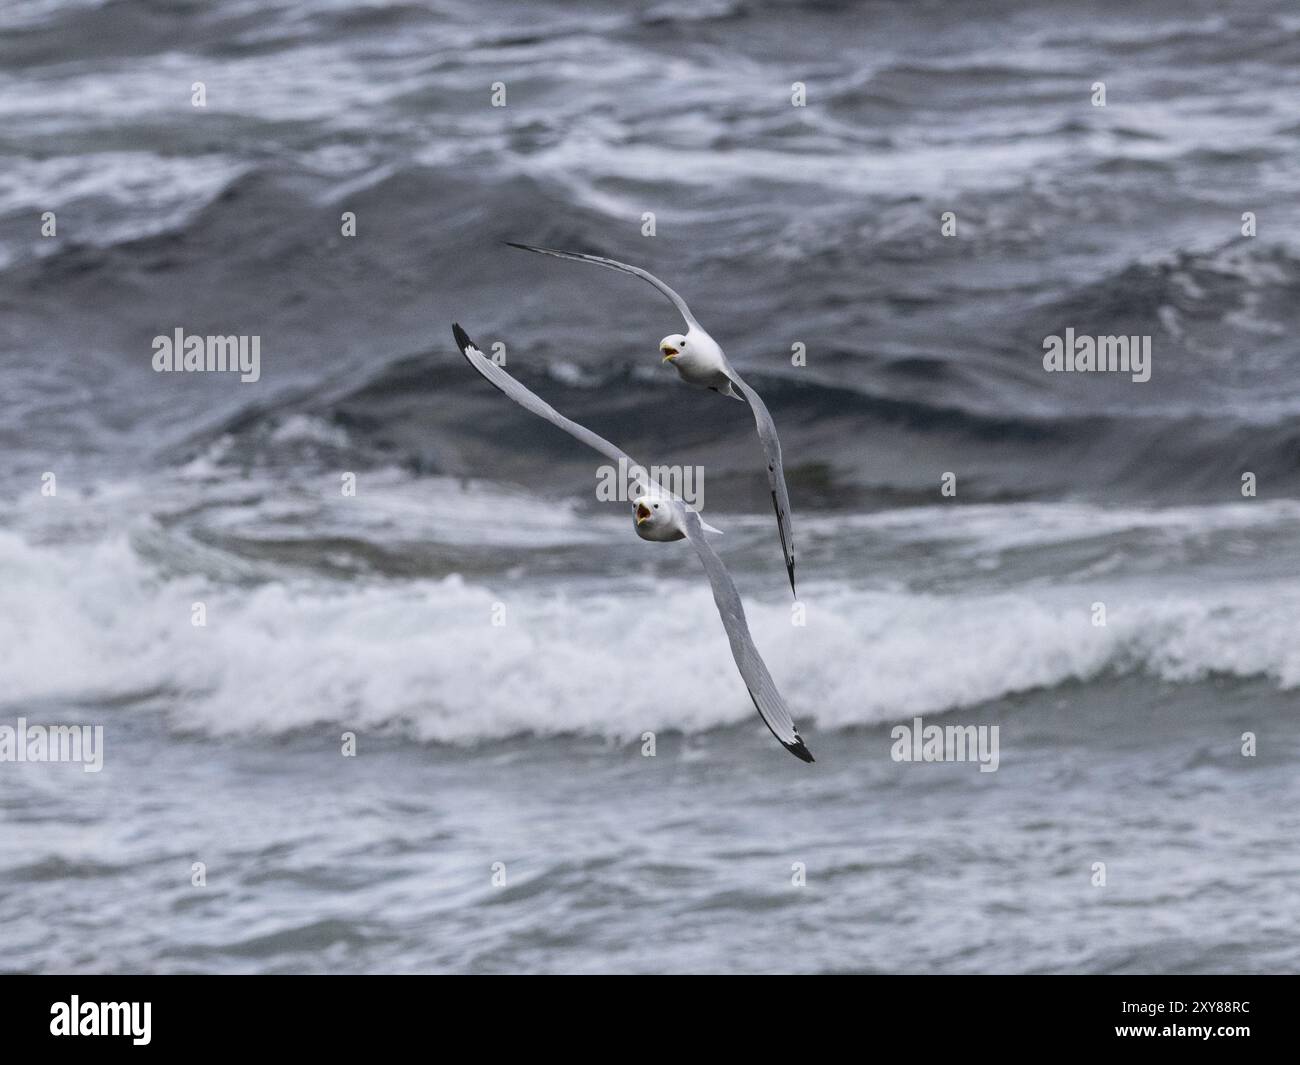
660,516
700,361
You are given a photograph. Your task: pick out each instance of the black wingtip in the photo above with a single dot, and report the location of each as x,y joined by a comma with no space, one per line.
799,750
516,244
462,338
786,553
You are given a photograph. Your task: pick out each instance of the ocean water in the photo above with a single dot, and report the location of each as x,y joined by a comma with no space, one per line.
500,813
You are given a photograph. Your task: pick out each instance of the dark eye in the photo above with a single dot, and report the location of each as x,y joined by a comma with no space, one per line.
656,506
683,343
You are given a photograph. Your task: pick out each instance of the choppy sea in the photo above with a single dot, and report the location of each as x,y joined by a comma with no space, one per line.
500,813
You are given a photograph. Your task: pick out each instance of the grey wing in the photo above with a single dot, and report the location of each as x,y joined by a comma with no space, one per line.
762,689
614,264
532,402
775,470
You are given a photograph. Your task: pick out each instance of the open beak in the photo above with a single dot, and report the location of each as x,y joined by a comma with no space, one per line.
670,353
642,513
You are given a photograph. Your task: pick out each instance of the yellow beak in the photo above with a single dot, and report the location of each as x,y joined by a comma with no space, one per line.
669,353
642,514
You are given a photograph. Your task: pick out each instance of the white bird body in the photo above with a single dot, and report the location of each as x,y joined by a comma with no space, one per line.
699,360
658,516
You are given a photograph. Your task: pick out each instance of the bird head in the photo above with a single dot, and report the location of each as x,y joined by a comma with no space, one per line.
652,515
672,346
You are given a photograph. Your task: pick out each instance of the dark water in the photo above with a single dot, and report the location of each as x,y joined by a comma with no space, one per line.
521,743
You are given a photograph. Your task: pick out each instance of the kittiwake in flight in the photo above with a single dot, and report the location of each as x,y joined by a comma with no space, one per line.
661,516
700,361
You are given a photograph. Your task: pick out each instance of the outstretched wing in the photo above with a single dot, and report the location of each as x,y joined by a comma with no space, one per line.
532,402
775,470
767,700
614,264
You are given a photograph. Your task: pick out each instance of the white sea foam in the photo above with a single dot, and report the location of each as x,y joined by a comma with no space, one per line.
89,622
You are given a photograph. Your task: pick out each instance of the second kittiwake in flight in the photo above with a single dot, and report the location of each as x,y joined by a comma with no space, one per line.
700,361
661,516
